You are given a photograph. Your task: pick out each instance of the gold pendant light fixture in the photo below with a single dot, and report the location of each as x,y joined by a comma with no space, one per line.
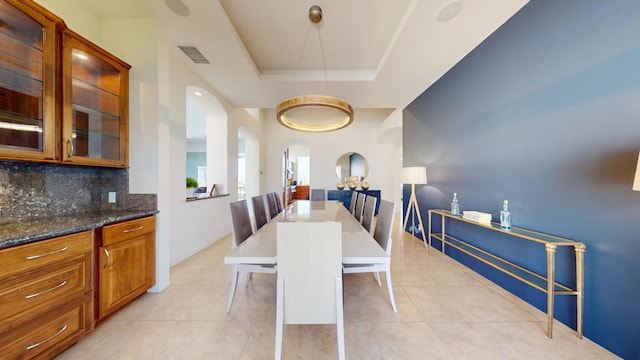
315,113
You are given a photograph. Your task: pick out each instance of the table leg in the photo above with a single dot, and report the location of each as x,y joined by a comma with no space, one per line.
551,252
442,229
429,216
580,248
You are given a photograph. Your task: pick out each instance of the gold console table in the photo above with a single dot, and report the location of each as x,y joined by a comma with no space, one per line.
546,284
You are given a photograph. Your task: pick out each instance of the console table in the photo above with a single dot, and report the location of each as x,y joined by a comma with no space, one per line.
546,284
345,196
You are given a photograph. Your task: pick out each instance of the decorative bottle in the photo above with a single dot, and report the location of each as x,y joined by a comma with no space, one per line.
455,205
505,216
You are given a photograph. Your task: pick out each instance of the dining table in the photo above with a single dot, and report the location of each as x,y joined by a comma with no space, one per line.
358,245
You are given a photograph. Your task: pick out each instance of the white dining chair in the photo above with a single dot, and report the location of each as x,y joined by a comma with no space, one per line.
382,234
278,201
318,194
271,204
352,204
368,213
259,212
309,287
241,225
359,207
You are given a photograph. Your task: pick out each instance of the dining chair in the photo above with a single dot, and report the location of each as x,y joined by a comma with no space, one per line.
309,289
368,213
278,202
382,235
359,207
318,194
271,203
241,225
354,200
259,212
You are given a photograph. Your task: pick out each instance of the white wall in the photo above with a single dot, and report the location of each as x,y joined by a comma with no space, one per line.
382,153
197,146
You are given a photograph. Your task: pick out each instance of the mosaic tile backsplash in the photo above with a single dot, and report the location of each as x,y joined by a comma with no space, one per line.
38,190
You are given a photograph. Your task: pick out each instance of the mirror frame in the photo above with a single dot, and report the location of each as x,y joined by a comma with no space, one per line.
347,158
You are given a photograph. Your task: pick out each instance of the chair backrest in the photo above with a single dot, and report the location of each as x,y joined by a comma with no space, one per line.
384,224
278,202
309,262
359,207
352,204
271,203
318,194
241,222
259,211
369,212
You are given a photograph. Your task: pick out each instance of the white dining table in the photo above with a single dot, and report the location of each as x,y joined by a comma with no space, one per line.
358,246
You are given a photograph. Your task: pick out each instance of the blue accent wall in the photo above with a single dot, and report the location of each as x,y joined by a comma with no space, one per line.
546,113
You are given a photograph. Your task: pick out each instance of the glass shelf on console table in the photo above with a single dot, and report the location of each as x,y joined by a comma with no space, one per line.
546,284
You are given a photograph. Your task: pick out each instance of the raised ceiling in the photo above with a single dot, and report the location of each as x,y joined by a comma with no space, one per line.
377,53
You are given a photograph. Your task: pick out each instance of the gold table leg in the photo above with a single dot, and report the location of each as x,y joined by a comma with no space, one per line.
429,215
551,252
580,248
442,229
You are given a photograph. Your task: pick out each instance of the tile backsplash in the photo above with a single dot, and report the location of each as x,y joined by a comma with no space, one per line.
34,190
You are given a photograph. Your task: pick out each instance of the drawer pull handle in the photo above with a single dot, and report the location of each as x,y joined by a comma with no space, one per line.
46,291
132,230
47,339
70,148
106,253
32,257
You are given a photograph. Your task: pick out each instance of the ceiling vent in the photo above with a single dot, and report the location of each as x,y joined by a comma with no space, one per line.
194,54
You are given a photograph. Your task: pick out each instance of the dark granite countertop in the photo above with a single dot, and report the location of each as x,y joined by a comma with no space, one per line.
27,231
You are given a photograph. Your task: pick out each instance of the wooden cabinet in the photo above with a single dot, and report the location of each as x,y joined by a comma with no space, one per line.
46,296
62,98
126,266
28,63
302,192
95,104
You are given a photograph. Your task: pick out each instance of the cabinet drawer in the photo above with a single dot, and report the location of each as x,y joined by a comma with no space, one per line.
47,335
45,287
126,230
27,257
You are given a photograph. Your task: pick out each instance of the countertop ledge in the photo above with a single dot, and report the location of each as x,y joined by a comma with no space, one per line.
28,231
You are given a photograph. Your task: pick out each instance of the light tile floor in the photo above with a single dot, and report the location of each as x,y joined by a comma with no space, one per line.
445,311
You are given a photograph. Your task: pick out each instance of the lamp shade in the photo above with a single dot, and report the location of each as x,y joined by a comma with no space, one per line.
414,175
636,180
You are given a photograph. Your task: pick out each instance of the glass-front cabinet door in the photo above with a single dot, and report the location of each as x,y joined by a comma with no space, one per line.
27,83
95,105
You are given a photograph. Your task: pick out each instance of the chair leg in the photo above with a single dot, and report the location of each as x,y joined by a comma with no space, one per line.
279,317
249,276
340,318
390,289
232,291
377,276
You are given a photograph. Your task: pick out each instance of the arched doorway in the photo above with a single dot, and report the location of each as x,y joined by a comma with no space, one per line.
296,170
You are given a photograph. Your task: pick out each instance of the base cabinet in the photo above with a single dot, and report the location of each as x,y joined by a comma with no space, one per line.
46,296
126,264
302,192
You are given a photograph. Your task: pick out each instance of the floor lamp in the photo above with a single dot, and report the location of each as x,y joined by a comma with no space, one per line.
413,176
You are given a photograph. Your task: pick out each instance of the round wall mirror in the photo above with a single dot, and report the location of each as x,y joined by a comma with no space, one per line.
352,166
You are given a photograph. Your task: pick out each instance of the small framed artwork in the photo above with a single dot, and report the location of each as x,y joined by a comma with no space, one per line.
214,191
